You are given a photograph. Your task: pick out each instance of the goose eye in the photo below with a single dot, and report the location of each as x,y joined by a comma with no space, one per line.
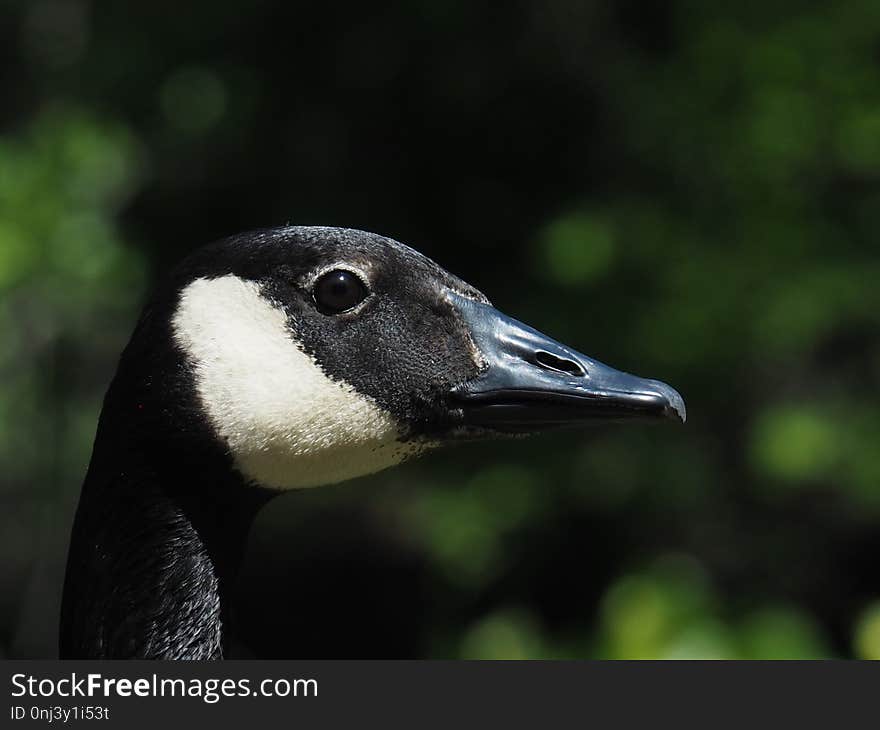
338,291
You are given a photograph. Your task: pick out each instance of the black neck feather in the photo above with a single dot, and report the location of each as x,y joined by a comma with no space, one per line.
158,538
152,565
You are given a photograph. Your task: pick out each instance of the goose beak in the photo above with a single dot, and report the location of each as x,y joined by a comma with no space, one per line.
531,383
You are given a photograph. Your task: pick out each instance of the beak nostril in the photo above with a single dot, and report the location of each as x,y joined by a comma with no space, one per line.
558,364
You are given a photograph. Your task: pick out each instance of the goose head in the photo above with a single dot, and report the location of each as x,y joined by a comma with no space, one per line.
320,354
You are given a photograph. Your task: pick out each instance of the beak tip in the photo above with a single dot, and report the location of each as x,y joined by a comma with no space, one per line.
675,414
675,408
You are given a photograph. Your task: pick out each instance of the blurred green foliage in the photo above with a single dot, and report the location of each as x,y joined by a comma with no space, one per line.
686,190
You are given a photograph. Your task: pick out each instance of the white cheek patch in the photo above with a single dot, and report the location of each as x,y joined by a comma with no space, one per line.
285,422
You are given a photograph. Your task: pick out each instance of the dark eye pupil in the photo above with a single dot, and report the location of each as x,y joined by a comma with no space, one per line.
339,290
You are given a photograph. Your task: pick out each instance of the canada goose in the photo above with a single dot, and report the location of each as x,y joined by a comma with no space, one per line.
287,358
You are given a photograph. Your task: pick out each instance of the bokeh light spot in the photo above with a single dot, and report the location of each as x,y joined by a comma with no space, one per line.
794,443
867,634
193,99
578,249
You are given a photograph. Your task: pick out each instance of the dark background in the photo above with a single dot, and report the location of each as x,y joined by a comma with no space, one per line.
686,190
